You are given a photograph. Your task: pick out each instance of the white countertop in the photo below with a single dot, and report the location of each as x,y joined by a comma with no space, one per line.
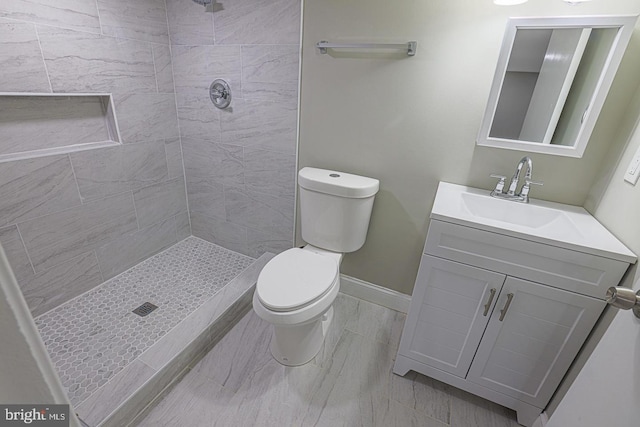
569,227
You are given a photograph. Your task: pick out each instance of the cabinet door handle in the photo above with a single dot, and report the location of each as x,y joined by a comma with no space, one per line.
503,312
487,306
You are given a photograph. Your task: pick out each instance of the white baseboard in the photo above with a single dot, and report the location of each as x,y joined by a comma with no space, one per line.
374,293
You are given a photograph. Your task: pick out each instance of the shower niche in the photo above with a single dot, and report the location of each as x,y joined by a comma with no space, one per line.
36,125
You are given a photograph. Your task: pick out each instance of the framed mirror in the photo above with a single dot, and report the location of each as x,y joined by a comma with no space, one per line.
551,80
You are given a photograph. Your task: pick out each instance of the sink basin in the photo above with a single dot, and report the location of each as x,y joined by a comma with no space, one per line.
567,226
519,214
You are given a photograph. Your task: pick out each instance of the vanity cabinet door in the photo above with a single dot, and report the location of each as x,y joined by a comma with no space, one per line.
531,341
450,308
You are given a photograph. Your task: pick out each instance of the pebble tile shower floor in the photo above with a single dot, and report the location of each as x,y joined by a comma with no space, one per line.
94,336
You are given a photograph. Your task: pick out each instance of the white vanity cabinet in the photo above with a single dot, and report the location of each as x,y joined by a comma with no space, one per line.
500,316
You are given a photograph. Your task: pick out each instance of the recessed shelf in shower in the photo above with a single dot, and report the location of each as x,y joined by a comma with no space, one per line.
44,124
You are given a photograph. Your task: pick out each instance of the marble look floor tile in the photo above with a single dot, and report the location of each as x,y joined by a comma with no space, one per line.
376,322
401,416
470,410
21,61
195,401
345,307
352,386
236,357
274,395
424,394
355,387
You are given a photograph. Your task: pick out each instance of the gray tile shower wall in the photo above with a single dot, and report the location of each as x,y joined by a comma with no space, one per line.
71,221
239,162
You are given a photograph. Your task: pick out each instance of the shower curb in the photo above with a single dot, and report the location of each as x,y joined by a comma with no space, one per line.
130,394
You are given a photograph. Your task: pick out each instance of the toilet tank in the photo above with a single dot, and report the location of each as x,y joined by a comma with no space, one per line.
335,208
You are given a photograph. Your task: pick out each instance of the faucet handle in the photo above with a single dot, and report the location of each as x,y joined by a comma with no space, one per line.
524,192
499,184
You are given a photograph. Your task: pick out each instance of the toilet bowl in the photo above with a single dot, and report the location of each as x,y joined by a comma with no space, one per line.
295,293
296,289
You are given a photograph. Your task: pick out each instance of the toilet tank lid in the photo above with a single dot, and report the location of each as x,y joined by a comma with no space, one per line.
337,183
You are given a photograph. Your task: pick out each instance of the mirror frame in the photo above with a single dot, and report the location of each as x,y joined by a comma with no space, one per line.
625,25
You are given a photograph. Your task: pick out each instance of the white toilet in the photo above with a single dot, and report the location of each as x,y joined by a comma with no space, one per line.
296,289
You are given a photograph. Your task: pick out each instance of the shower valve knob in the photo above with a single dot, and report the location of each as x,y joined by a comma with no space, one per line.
220,93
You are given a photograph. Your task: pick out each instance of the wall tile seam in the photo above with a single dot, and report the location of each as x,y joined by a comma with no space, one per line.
62,27
70,301
86,201
152,185
101,33
24,246
75,180
99,18
68,261
155,74
175,98
44,62
40,217
239,145
244,190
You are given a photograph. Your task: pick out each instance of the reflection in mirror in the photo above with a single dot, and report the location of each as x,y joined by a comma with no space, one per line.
551,81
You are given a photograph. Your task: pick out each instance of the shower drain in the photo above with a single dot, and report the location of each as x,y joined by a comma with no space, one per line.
145,309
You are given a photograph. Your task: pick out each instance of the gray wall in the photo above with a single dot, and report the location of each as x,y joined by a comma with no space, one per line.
412,121
239,162
70,221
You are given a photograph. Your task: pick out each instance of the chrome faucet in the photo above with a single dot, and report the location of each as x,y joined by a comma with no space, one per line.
511,194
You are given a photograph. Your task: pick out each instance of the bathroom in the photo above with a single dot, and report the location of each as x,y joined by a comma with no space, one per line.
229,176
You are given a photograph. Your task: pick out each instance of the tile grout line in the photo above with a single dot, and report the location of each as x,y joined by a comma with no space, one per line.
44,61
33,269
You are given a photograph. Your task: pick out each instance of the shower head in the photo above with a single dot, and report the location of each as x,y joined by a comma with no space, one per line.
203,2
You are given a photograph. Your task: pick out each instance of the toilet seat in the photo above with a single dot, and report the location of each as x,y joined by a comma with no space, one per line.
295,279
